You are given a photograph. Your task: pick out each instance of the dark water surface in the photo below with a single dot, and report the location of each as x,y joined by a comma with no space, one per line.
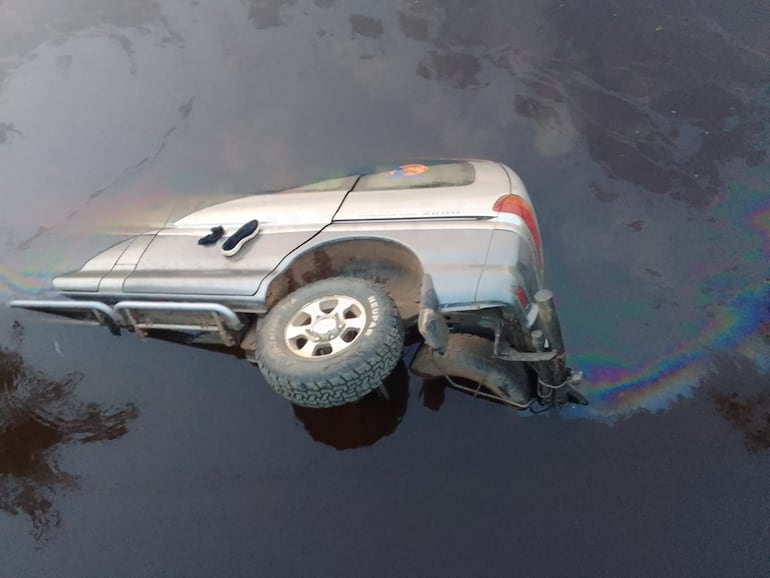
640,127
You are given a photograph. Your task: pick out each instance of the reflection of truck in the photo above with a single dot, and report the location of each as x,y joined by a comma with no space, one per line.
320,283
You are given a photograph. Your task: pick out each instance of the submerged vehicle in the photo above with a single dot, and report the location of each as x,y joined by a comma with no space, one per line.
318,285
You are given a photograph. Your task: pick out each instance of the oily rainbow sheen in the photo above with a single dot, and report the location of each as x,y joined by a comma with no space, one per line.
615,388
20,282
736,306
27,273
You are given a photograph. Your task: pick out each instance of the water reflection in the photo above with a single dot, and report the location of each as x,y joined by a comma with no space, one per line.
363,423
38,415
665,124
265,14
433,393
746,403
8,131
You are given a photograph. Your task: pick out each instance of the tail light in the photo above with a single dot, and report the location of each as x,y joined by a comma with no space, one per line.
516,205
522,297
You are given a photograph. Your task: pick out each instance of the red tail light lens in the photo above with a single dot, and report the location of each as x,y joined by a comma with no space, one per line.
516,205
522,297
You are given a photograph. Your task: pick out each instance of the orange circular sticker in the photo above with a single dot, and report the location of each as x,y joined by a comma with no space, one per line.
409,170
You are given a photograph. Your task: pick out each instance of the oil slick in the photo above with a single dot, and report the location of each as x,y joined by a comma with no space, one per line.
733,293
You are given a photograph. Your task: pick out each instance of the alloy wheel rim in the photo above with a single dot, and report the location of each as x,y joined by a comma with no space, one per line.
325,327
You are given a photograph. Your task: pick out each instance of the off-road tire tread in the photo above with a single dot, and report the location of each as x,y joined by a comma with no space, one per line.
362,373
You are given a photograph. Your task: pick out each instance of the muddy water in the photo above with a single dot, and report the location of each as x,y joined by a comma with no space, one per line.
641,129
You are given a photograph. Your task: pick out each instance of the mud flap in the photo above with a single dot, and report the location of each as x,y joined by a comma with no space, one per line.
430,323
496,366
470,357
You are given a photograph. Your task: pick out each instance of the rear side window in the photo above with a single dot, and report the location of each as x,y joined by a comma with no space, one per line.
342,183
419,176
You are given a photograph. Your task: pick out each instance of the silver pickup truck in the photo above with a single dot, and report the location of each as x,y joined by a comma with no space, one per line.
319,285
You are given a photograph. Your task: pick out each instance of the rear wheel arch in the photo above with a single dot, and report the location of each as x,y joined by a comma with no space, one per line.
382,261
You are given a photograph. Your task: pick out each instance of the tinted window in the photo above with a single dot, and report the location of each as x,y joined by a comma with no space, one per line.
419,176
341,183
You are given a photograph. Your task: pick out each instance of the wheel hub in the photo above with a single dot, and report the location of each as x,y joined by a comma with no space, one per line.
325,328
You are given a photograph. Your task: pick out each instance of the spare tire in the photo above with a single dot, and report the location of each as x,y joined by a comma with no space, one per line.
330,343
